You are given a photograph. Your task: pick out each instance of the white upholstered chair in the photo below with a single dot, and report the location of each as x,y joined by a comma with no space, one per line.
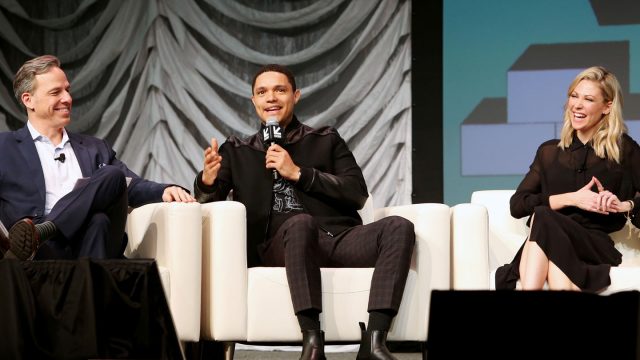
171,233
241,304
486,236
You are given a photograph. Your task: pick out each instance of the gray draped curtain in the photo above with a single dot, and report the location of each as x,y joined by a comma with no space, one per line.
159,78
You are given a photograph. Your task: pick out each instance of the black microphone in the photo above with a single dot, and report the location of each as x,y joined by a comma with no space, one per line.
272,134
60,158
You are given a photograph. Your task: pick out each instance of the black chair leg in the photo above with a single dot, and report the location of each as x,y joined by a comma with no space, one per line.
205,350
192,350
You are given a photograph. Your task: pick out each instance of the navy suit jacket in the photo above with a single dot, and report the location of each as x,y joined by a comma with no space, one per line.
22,186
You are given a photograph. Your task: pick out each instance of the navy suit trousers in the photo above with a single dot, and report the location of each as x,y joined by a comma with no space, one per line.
90,219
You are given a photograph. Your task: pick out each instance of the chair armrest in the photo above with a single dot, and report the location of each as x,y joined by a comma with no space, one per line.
225,273
171,233
469,247
432,250
431,255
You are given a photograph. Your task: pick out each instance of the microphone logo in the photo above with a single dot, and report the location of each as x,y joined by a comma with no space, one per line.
277,133
272,133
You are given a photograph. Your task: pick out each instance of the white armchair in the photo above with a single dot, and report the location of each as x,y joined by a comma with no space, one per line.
486,236
240,303
171,233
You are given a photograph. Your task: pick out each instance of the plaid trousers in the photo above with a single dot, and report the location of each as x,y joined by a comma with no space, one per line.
302,248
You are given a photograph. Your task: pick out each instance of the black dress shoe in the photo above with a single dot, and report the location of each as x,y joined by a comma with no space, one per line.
23,241
373,345
312,345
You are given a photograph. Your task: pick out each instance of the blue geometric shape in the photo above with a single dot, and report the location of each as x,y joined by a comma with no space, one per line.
537,95
634,129
533,110
502,149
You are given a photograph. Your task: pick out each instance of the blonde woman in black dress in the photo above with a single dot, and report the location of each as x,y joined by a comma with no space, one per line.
578,189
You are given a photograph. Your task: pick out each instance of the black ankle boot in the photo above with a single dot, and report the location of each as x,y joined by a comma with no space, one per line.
312,345
373,345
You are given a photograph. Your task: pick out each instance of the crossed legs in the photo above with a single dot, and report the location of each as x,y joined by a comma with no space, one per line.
536,268
90,220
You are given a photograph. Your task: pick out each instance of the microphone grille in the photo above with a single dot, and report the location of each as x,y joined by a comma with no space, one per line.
272,121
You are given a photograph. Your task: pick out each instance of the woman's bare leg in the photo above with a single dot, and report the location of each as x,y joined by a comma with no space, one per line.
537,267
558,280
534,265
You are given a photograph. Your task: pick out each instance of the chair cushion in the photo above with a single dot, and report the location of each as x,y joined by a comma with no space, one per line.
345,294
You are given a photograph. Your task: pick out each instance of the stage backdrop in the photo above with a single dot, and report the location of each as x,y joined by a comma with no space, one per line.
159,78
507,66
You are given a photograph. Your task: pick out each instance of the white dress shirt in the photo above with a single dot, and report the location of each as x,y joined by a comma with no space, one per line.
59,177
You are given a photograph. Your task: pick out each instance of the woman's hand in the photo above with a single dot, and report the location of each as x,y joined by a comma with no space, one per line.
601,202
609,201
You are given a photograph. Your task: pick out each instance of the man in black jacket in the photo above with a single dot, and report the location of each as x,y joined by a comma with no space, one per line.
307,217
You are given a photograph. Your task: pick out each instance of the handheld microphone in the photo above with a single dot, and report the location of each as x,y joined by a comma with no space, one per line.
272,134
60,158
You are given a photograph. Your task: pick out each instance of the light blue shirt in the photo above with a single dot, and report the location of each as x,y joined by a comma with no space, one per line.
59,177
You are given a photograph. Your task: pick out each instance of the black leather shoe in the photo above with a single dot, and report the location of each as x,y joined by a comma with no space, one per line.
312,345
23,241
373,345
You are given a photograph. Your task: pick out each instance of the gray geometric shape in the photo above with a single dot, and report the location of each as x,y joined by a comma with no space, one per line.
631,106
489,111
537,95
501,149
616,12
613,55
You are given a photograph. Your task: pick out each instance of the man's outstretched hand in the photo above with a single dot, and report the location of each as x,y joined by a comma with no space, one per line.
177,194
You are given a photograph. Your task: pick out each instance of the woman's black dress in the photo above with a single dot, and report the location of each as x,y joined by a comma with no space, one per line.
575,240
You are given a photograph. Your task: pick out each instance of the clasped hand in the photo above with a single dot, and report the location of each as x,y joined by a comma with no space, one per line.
602,202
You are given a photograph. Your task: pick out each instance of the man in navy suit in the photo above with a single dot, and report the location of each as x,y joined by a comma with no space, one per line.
51,213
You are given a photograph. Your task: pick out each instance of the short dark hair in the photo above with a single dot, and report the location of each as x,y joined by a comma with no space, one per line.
24,79
275,68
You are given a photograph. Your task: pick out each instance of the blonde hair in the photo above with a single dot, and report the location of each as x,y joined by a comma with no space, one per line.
606,139
24,79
